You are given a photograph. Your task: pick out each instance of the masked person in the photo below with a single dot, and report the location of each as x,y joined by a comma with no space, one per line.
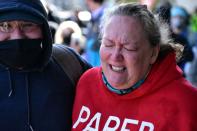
35,92
138,86
179,26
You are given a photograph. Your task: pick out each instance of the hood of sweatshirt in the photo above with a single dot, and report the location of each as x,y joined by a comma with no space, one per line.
29,10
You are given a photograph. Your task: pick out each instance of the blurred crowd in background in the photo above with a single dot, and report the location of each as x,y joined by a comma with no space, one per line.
75,23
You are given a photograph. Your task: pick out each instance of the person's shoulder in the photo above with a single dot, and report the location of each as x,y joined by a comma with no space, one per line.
91,74
90,78
66,53
95,71
188,98
185,91
182,94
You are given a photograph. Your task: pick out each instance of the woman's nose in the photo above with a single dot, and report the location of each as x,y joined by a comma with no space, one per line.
117,54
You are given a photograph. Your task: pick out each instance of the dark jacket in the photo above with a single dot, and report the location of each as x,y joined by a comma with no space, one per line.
40,98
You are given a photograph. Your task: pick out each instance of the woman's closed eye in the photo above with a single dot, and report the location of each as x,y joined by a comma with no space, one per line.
108,43
130,48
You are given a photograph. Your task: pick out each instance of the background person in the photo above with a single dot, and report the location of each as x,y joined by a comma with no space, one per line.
139,85
70,34
35,93
179,21
91,54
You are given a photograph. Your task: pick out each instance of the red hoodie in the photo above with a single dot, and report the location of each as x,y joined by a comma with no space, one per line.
164,102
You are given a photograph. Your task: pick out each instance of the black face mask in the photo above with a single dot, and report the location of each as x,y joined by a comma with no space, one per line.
21,53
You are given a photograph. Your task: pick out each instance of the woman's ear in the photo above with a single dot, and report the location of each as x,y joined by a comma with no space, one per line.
155,53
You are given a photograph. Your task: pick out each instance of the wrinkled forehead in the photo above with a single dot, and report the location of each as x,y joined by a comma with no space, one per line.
124,29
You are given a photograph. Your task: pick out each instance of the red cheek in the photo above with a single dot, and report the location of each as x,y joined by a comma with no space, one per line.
104,53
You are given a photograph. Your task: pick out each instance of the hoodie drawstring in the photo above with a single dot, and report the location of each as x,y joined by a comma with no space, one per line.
28,97
10,83
28,104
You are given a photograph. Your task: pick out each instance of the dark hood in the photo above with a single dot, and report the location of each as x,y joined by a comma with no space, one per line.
30,10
